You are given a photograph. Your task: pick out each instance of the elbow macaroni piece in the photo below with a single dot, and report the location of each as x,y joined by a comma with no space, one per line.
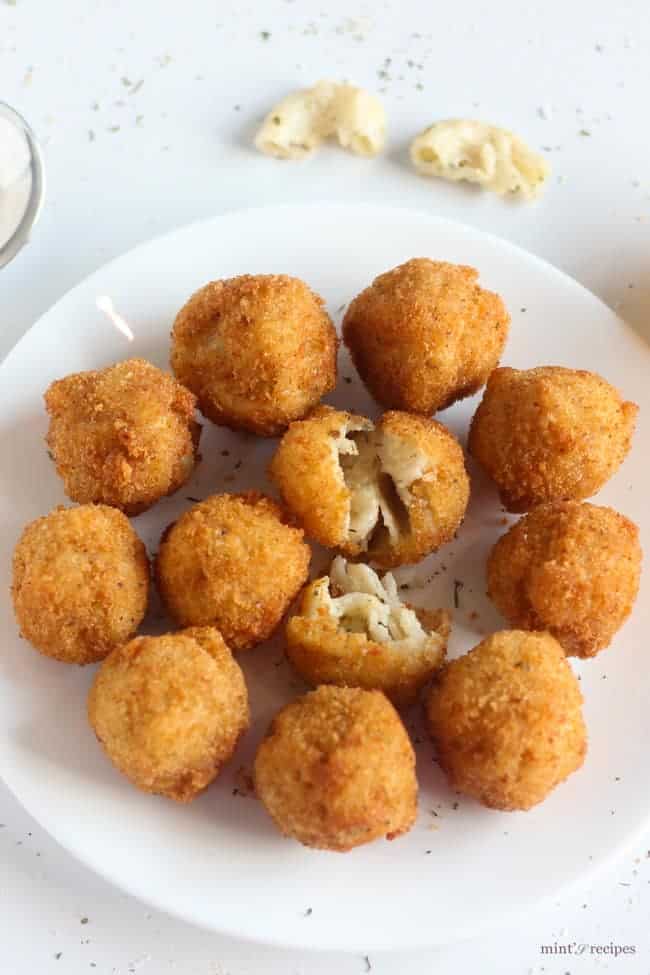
297,125
464,149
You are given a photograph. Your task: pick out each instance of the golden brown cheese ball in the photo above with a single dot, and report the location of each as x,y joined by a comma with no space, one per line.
352,629
169,710
337,769
550,434
232,561
506,719
425,334
396,490
258,350
124,435
569,568
80,582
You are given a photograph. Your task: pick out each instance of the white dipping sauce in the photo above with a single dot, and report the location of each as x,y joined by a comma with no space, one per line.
15,178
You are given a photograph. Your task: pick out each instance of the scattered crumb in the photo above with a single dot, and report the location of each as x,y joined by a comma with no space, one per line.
545,112
309,912
265,35
244,785
91,135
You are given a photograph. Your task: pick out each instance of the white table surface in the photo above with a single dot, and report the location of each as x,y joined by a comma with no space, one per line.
127,161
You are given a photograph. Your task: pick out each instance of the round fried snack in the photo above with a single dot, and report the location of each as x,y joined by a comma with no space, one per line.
169,710
506,719
80,582
425,334
232,561
258,350
337,769
352,629
570,568
550,434
124,435
397,490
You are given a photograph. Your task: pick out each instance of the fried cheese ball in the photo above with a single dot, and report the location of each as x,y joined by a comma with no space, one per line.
550,434
506,719
124,435
337,769
396,490
572,569
169,710
80,582
258,351
353,630
425,334
235,562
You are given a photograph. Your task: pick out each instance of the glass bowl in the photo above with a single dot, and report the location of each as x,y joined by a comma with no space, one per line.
34,200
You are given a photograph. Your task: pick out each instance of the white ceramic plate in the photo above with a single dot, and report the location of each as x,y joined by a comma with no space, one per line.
219,862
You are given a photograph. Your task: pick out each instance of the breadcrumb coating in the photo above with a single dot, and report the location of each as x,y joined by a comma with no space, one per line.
397,490
353,630
424,335
169,710
80,582
258,351
506,719
337,769
233,561
124,435
570,568
550,434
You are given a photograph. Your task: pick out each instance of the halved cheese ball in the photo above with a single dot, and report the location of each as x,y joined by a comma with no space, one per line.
396,490
352,629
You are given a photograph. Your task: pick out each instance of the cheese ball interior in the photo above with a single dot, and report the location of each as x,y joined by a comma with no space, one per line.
506,719
353,630
425,334
550,434
258,351
396,490
80,582
232,561
337,769
169,710
124,435
572,569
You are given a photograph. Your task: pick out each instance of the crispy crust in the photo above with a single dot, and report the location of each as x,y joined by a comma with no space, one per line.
258,350
506,719
322,652
572,569
124,435
80,582
550,434
309,478
233,561
438,500
170,710
306,470
425,334
337,769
